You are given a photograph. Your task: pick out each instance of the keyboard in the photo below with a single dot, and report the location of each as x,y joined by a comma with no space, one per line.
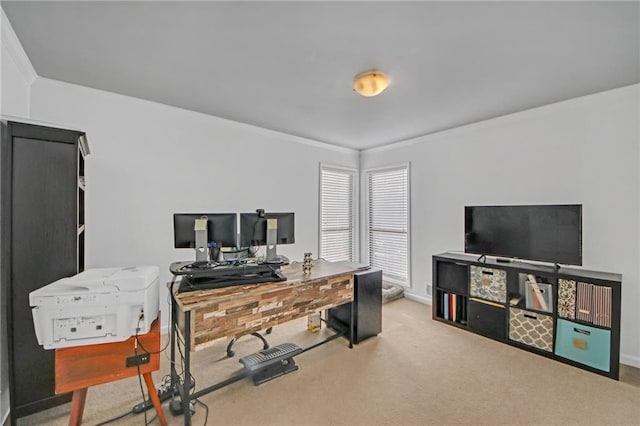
270,356
228,276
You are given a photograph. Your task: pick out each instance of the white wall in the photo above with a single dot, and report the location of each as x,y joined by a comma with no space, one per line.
16,76
16,72
582,151
149,161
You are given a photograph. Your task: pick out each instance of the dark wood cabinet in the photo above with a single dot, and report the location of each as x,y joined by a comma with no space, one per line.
42,241
367,307
569,314
486,319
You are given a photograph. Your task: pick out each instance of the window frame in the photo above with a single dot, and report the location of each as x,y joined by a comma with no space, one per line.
355,252
366,219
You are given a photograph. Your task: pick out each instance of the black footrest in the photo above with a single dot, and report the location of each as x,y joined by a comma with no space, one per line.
274,370
267,357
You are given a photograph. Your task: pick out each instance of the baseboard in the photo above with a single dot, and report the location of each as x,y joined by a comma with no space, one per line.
426,300
632,361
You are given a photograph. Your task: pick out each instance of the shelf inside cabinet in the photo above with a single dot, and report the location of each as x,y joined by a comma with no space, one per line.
532,292
451,307
81,202
452,277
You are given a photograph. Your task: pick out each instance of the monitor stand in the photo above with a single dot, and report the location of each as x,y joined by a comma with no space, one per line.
200,229
272,238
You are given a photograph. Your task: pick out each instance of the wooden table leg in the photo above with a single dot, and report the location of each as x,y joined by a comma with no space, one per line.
153,394
77,406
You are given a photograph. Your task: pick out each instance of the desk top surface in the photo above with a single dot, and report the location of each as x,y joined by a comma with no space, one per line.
321,270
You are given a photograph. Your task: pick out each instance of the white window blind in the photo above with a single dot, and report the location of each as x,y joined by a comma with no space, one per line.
337,214
388,227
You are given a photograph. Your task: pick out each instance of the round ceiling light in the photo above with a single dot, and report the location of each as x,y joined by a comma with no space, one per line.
370,83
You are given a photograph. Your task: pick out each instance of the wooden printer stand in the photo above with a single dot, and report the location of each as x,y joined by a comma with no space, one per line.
79,367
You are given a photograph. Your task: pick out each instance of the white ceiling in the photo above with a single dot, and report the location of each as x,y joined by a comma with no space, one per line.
288,66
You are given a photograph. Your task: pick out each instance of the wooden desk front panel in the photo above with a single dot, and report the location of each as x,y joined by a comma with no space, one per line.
236,311
84,366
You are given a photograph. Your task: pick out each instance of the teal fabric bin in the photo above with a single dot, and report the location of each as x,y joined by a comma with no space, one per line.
587,345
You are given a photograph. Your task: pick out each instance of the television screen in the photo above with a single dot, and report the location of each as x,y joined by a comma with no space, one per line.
546,233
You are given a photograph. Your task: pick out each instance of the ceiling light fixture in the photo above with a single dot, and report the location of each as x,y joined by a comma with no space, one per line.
370,83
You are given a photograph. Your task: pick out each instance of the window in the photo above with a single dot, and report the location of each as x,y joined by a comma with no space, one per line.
337,213
388,222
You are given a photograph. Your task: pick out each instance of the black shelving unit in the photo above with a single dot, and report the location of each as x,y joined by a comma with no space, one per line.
575,312
42,219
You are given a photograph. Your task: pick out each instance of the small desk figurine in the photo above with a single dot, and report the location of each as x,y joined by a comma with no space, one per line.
306,264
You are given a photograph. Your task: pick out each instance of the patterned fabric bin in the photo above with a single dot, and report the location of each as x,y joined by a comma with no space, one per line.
531,328
593,304
566,298
489,283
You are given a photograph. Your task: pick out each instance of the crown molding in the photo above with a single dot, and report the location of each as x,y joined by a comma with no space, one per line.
16,51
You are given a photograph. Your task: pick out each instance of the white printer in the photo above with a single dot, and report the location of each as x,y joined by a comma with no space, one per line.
96,306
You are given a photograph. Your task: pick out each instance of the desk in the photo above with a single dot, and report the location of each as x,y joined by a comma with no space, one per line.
203,317
79,367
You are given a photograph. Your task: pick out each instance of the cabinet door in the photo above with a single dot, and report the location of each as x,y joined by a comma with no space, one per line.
487,319
40,219
453,277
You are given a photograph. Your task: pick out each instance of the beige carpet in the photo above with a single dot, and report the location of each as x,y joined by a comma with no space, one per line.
417,372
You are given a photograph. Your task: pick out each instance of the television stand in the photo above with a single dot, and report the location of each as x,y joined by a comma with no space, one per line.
570,315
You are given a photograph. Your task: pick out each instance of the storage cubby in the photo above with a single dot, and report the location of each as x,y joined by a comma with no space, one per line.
453,277
583,344
568,314
452,307
487,318
532,291
531,328
488,283
451,294
83,150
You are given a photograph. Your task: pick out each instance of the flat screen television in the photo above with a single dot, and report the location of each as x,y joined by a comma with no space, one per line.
546,233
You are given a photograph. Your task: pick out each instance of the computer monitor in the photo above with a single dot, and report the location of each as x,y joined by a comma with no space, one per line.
253,228
221,228
267,229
